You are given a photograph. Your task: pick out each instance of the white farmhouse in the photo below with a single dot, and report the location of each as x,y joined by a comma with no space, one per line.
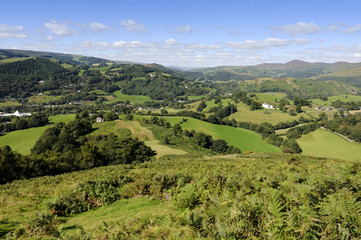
267,106
17,114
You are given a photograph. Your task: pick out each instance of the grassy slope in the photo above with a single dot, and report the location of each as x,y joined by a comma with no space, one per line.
132,98
244,114
9,103
135,130
270,97
322,143
245,139
43,99
270,115
23,140
344,98
23,199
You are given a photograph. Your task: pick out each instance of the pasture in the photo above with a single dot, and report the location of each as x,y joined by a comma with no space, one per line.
244,139
119,96
269,97
23,140
322,143
343,98
273,116
134,129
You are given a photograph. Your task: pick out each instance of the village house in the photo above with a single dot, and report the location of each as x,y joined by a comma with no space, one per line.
17,114
267,106
99,119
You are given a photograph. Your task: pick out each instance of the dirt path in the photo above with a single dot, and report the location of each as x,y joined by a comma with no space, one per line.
338,134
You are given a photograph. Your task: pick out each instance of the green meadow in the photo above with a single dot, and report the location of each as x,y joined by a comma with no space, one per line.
134,129
272,116
245,139
343,98
322,143
270,97
9,103
119,96
23,140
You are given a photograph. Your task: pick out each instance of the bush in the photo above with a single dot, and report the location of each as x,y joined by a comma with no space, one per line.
188,197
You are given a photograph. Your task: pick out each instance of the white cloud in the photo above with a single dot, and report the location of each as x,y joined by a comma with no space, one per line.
262,44
170,41
94,45
334,27
61,29
351,30
99,27
40,47
132,26
49,38
301,41
9,31
300,28
183,29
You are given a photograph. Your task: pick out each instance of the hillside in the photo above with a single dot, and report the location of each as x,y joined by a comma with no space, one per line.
185,197
7,54
33,76
292,69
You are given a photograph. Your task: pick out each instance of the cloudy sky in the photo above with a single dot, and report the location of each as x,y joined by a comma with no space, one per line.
187,32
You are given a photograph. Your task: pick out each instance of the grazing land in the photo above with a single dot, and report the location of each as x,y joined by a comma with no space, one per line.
343,98
326,144
244,139
119,96
272,116
22,141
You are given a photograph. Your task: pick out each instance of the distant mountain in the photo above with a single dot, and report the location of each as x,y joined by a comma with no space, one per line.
6,54
292,69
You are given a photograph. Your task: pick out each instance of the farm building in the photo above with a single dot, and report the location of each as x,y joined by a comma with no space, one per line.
267,106
17,114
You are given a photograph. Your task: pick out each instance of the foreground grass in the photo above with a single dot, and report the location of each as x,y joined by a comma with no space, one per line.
270,196
244,139
322,143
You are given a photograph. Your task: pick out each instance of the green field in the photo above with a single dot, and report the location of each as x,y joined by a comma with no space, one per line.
343,98
267,115
270,97
23,140
322,143
119,96
134,129
9,103
43,99
15,59
245,139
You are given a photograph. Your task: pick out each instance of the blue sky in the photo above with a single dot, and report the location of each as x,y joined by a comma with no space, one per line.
194,33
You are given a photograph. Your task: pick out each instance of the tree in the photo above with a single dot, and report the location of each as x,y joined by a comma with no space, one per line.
298,108
219,146
202,139
9,164
110,116
255,105
163,112
177,129
291,146
201,106
292,112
